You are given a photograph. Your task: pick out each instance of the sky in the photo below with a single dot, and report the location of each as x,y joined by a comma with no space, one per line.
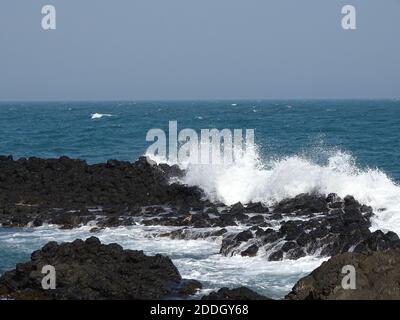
199,49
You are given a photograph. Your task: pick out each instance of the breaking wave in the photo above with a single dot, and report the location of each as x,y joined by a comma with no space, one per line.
253,179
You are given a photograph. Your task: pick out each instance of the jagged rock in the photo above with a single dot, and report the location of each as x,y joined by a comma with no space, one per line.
237,212
332,226
256,207
237,209
91,270
377,277
302,204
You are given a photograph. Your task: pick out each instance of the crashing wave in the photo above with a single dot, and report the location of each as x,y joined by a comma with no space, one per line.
253,179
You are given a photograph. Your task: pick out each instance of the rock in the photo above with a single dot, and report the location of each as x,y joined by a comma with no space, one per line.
333,198
67,220
187,288
377,278
271,236
302,204
292,229
310,225
250,251
237,209
256,220
241,293
226,220
244,236
232,242
237,212
91,270
288,246
190,234
378,241
30,188
257,207
350,201
37,222
276,256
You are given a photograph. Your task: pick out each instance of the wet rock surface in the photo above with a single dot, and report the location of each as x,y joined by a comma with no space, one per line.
377,276
91,270
297,230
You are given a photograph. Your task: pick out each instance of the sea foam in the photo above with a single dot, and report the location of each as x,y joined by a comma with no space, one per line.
195,259
253,179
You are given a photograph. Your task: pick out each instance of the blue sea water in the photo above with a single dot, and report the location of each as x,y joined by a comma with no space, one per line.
348,147
368,129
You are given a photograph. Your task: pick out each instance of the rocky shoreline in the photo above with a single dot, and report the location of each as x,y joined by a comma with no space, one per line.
71,193
89,270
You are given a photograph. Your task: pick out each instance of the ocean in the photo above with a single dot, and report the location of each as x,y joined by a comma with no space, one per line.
341,146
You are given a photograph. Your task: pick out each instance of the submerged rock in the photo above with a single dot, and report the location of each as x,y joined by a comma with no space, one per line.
91,270
377,276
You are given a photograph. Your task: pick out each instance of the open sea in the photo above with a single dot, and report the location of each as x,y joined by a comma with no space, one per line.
342,146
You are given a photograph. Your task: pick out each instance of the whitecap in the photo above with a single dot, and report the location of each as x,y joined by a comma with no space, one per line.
100,115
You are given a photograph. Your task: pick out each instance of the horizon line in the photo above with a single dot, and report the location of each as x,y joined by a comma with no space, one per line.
196,99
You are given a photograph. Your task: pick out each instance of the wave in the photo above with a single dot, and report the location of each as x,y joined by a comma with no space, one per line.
253,179
100,115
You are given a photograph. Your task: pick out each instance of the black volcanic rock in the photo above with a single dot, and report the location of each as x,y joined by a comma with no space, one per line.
91,270
302,204
309,225
377,277
241,293
237,208
250,251
256,207
31,188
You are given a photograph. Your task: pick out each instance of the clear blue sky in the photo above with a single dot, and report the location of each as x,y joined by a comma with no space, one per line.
199,49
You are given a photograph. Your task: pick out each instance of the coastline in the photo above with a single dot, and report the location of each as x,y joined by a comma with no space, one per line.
141,193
